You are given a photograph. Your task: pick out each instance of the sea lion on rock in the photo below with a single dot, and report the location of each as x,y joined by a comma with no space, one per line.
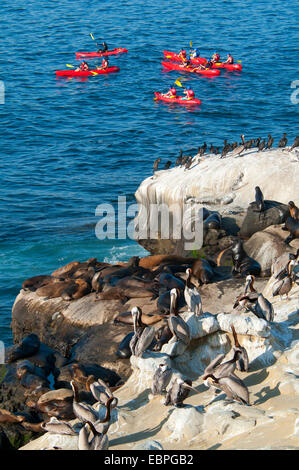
8,417
123,350
76,291
170,282
292,225
202,271
55,288
68,268
28,347
147,319
33,283
294,211
97,282
213,221
242,263
154,261
124,294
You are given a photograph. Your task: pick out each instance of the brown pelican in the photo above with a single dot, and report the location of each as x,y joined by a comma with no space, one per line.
238,150
82,411
262,308
100,391
284,283
143,336
261,145
55,426
226,148
178,327
102,425
250,294
232,386
280,266
192,295
222,370
179,159
179,392
161,379
242,363
98,441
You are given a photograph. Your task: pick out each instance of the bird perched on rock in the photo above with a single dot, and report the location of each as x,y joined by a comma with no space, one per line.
179,392
143,334
242,363
192,295
269,141
262,308
167,165
188,163
283,141
202,150
232,386
238,150
261,145
257,142
161,379
212,150
156,164
295,144
179,159
226,148
285,281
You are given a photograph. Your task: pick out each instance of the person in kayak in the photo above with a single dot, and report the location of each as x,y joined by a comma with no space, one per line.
195,53
183,55
215,57
190,95
82,66
205,66
171,93
104,64
104,48
229,60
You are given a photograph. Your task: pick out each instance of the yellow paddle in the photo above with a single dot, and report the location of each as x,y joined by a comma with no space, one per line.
92,36
68,65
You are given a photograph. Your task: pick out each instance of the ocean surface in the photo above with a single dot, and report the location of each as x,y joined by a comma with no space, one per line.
69,145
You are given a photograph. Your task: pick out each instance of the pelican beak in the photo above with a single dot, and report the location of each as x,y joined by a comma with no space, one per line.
190,388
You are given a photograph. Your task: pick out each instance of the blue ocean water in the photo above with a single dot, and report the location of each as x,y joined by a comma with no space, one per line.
69,145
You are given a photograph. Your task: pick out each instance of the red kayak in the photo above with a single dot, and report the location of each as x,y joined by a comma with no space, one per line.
117,50
85,73
183,68
202,60
178,99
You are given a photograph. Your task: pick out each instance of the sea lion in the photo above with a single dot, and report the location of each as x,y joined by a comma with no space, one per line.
76,291
170,282
123,350
28,347
8,417
122,294
70,268
213,221
131,269
33,283
202,271
57,403
154,261
292,225
294,211
35,384
242,263
147,319
55,288
25,366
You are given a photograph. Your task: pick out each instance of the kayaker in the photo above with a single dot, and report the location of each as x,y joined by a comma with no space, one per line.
215,57
195,53
190,95
183,55
82,66
229,60
104,48
171,93
104,64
